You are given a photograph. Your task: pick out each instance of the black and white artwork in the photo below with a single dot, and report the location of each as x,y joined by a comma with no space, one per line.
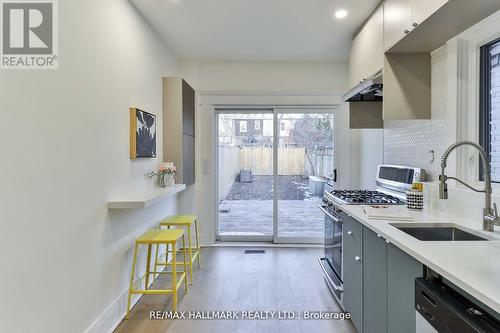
145,134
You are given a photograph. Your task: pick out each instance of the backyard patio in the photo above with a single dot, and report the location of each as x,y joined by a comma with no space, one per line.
247,209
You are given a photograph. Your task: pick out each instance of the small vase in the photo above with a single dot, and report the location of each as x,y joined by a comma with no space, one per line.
162,180
169,180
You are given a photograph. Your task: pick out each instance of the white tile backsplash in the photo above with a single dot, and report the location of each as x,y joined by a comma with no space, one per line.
409,142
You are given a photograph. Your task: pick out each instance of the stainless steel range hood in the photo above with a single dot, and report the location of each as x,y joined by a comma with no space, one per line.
368,90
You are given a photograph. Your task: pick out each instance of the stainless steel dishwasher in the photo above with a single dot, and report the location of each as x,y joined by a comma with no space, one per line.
442,309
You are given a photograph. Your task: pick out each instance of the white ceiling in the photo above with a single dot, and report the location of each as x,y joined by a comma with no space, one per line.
256,30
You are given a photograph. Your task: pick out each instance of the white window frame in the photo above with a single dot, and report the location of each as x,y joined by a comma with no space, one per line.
206,143
243,126
463,91
257,125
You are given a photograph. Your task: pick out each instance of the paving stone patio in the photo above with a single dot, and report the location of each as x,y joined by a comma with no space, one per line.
248,208
297,218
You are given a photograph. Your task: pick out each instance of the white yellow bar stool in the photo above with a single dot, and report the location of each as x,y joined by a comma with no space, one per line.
183,221
159,237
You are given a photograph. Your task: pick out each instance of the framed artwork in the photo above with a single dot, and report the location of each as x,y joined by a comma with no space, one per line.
142,134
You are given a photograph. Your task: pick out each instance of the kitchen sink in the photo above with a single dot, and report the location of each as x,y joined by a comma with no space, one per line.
439,232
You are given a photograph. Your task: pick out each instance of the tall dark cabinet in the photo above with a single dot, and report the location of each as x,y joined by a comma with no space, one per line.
179,127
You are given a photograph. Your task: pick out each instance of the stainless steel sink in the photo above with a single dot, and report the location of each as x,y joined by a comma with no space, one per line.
440,232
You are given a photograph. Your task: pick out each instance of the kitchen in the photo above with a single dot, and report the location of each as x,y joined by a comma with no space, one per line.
330,166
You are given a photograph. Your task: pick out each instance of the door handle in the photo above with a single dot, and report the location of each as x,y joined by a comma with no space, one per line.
329,215
337,288
335,175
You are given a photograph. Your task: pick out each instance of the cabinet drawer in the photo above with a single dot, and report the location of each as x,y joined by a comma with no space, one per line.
352,233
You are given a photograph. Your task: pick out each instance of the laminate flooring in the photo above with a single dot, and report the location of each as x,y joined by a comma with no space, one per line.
281,279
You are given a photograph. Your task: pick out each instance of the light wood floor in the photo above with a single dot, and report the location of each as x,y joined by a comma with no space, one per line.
280,279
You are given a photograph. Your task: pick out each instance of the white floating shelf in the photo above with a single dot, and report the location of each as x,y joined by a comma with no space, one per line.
146,199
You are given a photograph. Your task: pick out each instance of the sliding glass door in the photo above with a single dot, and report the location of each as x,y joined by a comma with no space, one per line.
245,176
304,162
272,166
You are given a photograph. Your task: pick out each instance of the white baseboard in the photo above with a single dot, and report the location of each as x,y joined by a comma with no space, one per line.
115,312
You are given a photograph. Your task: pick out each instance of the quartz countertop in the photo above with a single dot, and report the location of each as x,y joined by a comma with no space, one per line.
473,266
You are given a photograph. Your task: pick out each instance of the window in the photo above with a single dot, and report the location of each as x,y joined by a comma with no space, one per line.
257,125
489,131
282,126
243,126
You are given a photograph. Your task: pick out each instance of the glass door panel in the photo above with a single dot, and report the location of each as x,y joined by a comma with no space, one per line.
305,160
245,176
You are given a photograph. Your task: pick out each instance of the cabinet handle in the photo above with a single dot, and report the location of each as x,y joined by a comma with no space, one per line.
406,31
357,258
414,24
387,241
378,236
349,232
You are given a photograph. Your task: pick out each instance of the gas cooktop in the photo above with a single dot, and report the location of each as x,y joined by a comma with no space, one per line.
364,197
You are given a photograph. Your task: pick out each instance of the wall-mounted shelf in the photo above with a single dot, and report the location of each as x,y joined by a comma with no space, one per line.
146,199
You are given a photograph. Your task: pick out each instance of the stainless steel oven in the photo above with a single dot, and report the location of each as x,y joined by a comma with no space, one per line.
331,262
392,182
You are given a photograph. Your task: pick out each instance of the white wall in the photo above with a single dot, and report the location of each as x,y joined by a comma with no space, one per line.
366,155
265,76
64,136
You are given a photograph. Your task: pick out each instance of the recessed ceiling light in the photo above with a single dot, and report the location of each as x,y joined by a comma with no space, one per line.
341,13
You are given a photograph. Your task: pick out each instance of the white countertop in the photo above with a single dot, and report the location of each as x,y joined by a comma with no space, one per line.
146,198
473,266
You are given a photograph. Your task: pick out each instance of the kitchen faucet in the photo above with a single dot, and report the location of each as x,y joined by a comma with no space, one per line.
490,215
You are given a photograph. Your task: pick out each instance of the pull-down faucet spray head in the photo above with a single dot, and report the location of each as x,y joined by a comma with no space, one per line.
443,186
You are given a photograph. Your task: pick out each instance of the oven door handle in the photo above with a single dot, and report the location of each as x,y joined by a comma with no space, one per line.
337,288
329,215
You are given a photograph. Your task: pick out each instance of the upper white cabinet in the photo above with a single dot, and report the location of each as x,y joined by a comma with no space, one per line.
432,24
397,21
402,16
422,9
369,41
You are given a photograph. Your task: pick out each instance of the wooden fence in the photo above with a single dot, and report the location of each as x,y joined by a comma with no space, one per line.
291,161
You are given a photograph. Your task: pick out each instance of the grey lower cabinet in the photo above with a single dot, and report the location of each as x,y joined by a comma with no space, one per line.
402,270
379,281
374,282
352,270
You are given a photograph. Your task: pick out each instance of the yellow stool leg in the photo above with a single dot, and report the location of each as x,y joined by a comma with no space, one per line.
190,255
166,251
131,281
197,241
156,257
174,278
148,263
185,263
